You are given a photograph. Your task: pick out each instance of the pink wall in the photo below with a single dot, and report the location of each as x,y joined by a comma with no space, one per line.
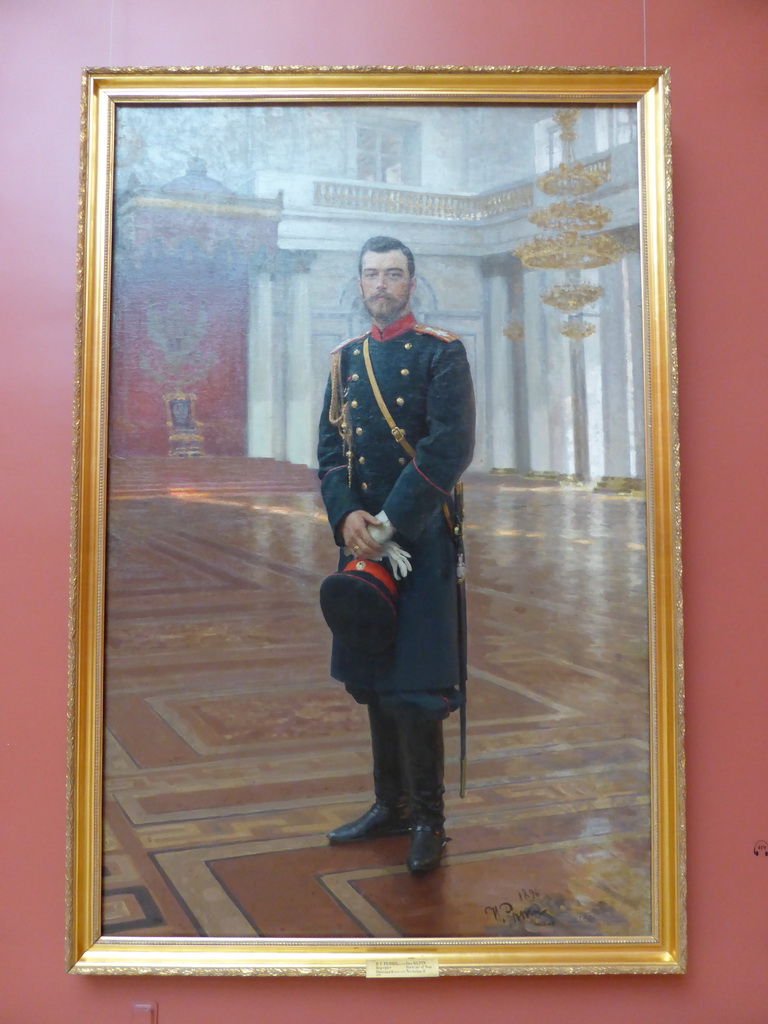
717,51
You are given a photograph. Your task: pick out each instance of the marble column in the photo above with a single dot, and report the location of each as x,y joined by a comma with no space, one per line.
520,411
264,382
300,428
500,389
580,410
538,378
633,326
615,359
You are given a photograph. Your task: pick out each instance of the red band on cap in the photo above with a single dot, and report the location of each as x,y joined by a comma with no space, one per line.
373,569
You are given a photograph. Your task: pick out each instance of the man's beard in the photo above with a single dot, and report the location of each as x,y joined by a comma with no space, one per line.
385,308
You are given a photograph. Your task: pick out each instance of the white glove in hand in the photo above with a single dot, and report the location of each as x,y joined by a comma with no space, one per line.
381,534
399,559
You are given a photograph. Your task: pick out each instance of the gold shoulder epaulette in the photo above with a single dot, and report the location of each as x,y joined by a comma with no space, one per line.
436,332
348,342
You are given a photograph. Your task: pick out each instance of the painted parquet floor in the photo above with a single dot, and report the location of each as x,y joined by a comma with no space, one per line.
229,752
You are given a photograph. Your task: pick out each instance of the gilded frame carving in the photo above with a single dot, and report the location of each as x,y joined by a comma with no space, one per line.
89,950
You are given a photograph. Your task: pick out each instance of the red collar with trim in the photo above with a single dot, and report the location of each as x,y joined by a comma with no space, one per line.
394,330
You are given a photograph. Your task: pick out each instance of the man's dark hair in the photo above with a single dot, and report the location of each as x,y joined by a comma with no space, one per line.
382,243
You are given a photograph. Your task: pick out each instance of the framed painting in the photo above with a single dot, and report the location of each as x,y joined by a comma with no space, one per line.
526,223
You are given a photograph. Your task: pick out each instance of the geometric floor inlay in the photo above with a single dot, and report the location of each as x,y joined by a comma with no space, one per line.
229,752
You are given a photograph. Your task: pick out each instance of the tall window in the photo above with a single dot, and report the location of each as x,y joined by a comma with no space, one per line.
616,127
548,147
388,153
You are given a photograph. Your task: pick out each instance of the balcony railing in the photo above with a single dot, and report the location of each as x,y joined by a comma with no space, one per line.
378,199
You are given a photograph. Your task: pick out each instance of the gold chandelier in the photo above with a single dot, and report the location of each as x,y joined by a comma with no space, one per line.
572,179
570,250
576,329
514,331
571,297
571,216
574,239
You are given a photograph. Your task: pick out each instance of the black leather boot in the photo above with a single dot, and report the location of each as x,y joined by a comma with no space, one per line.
389,814
426,849
380,820
421,739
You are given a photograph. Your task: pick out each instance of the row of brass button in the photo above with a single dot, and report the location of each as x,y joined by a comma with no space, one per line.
354,404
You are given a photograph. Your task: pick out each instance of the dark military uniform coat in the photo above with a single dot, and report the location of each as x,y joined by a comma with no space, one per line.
424,379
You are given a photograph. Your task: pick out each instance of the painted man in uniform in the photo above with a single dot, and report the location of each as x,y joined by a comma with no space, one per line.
375,492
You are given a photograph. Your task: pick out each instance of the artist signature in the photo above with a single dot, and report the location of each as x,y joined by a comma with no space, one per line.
505,912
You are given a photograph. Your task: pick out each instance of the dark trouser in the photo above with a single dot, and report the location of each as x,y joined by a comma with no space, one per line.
408,770
420,739
390,785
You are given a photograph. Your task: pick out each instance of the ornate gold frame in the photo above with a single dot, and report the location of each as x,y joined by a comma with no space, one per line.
88,951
